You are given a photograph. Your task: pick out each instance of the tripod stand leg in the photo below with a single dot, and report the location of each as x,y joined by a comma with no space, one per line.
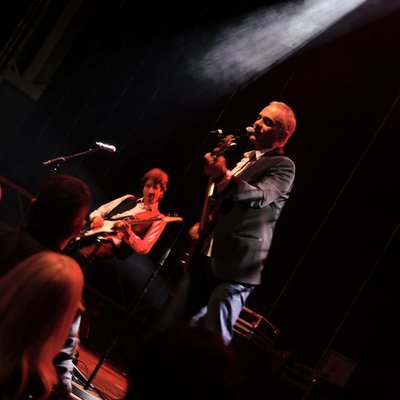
78,377
130,312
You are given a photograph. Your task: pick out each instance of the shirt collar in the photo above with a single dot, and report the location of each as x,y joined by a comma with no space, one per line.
152,207
258,153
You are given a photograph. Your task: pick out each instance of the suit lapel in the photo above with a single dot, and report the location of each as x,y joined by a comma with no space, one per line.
251,170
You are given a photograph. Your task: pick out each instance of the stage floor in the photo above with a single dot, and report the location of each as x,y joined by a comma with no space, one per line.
109,383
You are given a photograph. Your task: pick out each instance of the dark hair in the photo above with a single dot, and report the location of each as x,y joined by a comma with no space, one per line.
158,176
58,203
172,363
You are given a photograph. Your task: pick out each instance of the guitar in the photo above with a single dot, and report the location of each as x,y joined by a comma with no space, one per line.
110,226
207,217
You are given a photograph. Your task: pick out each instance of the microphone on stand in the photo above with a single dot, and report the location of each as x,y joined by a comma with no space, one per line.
98,146
235,132
105,147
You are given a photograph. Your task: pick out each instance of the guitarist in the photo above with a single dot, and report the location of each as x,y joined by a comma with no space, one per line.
126,238
220,278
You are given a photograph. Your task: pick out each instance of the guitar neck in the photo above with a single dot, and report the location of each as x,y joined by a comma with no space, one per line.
134,221
206,207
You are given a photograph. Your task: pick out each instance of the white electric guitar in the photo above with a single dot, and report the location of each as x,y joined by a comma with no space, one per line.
110,226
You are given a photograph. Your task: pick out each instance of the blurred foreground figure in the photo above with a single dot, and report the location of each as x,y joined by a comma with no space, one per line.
185,363
40,298
57,214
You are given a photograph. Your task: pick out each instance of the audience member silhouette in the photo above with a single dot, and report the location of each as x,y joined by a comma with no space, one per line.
40,298
185,363
57,214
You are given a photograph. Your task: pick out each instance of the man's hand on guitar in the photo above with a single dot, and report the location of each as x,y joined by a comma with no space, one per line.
215,167
97,223
124,229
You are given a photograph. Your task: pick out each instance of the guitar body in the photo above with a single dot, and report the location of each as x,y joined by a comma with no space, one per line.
107,228
139,225
209,211
203,231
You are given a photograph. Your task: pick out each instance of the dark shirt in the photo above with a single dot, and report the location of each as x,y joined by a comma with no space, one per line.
16,244
34,389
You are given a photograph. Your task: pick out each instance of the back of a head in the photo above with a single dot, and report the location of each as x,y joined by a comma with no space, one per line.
40,298
60,205
185,363
157,175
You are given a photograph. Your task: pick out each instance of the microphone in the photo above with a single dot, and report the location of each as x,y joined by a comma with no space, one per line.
106,147
235,132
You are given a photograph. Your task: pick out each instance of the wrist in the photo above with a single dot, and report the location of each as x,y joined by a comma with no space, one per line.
223,183
219,178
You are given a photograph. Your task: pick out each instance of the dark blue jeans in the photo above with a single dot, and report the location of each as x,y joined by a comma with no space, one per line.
200,299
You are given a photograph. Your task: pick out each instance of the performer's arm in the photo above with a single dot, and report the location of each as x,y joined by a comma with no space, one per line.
96,217
145,244
276,182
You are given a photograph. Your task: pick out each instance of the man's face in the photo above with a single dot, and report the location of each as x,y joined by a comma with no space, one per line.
269,132
81,218
152,192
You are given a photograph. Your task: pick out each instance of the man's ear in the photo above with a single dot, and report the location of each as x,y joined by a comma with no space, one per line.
283,136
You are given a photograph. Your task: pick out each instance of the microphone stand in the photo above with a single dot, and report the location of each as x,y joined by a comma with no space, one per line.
129,314
132,309
56,162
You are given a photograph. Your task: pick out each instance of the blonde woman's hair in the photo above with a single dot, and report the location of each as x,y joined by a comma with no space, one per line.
40,298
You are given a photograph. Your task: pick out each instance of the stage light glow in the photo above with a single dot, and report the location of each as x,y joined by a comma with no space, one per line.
245,48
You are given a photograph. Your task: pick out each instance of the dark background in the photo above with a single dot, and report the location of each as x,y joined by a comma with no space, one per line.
119,74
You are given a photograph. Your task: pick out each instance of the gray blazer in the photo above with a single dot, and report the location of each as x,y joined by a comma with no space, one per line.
249,209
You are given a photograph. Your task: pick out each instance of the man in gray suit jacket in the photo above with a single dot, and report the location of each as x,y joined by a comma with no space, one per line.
250,199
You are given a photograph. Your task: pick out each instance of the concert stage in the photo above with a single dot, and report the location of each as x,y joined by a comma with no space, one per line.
109,383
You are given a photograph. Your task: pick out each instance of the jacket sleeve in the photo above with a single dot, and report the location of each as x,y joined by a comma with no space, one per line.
276,181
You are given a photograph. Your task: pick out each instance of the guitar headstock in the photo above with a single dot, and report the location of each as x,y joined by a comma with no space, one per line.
223,145
173,219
